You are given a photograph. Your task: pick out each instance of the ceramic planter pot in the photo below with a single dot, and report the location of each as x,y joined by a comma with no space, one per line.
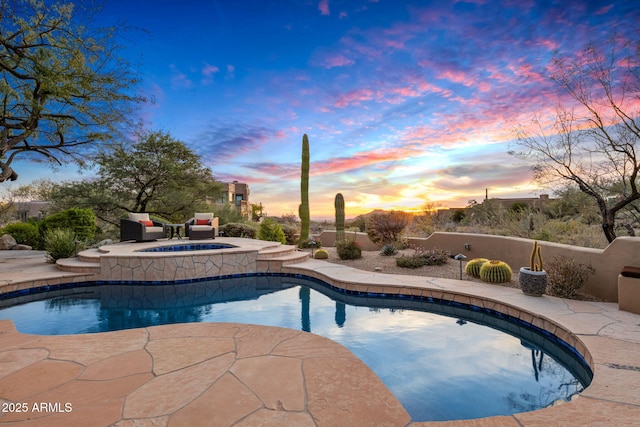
532,283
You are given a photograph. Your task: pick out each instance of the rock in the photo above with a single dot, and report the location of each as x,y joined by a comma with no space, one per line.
20,247
7,242
377,269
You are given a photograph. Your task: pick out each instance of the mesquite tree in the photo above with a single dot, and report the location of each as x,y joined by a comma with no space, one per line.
594,142
63,89
303,210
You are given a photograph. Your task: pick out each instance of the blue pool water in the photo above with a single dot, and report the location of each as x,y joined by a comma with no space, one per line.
440,360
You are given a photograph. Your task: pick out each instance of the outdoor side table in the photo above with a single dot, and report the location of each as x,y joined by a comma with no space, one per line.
174,230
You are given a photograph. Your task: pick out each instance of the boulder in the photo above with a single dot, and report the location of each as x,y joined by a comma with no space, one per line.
20,247
7,242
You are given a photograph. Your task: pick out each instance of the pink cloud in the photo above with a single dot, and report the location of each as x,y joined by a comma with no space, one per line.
323,7
338,61
456,77
208,70
603,10
180,80
354,97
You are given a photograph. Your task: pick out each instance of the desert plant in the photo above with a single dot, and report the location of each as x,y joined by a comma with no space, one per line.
290,233
348,249
60,243
386,227
310,243
303,209
536,254
271,231
410,261
339,205
237,229
388,250
495,272
321,254
436,257
25,233
81,221
473,266
566,276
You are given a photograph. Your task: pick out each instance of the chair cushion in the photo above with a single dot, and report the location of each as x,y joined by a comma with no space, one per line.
134,216
203,221
154,229
203,215
148,223
200,227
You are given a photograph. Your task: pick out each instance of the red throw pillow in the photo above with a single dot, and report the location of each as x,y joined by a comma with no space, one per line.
202,222
148,223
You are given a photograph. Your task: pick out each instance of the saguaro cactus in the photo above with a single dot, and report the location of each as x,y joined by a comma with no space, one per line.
339,204
303,209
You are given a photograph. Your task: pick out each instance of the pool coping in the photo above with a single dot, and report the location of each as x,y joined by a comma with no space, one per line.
608,338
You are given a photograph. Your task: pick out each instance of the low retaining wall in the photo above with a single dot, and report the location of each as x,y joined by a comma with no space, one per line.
515,251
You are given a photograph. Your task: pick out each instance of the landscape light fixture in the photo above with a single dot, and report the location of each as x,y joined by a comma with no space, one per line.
467,246
460,257
312,245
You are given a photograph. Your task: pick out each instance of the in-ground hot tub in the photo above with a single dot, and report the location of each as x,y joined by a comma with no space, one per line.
178,262
189,247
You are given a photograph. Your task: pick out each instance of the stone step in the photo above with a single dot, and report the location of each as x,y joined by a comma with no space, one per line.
276,251
76,265
275,264
90,255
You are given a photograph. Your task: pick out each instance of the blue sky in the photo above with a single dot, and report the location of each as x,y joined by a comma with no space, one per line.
404,102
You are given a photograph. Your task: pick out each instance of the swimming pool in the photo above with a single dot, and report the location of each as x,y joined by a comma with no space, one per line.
439,360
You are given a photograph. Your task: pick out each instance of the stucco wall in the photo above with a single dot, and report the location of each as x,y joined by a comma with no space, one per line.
515,251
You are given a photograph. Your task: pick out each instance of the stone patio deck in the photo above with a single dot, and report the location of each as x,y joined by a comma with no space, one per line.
245,375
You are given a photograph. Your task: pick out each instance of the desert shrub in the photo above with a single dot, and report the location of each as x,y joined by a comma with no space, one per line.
436,257
348,249
227,213
82,222
495,272
60,243
386,227
271,231
238,229
321,254
25,233
566,276
290,233
388,250
473,267
306,244
410,261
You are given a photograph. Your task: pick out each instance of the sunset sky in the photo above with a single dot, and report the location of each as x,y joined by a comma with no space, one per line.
404,102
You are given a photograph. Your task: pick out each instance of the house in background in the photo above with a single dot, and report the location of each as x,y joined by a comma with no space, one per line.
37,209
237,194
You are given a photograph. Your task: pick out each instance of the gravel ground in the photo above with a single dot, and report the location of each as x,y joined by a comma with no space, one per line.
372,260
